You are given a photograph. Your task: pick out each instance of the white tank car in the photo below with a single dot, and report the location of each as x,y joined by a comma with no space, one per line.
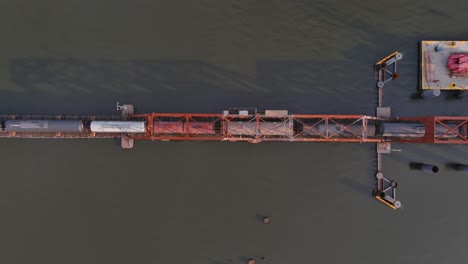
118,126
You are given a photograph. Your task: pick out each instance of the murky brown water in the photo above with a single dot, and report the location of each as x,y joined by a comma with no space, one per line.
196,202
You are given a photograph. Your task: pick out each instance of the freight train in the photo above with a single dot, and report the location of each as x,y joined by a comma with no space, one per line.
269,127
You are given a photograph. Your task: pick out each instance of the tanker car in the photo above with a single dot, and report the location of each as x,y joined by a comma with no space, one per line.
382,129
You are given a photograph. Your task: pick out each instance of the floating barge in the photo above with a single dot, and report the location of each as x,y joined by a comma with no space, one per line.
444,65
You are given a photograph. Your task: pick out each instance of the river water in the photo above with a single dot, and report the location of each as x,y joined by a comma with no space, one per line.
87,201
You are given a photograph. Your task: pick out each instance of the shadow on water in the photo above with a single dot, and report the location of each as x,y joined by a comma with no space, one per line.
240,260
117,142
63,84
451,166
416,96
415,165
94,86
366,180
258,259
260,217
449,96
